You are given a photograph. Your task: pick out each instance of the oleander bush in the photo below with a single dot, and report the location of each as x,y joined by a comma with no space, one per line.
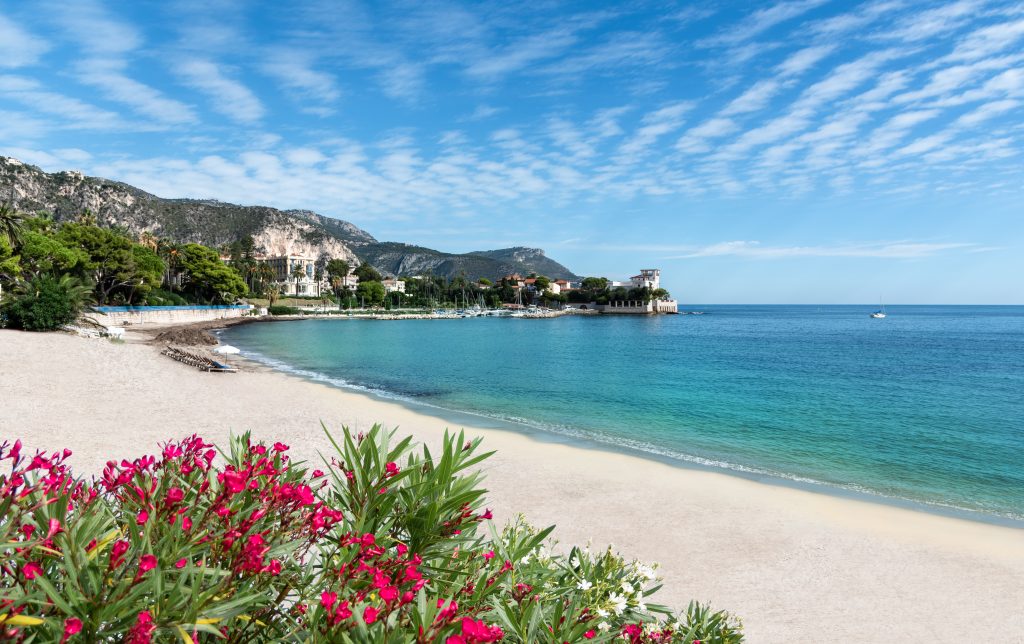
384,543
283,310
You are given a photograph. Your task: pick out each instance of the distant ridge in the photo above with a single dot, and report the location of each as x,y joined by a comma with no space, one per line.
276,232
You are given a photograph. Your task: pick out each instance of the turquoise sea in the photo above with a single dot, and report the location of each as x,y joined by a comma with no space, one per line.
924,407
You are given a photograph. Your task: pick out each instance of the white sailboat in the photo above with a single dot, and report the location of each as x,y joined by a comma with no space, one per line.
880,313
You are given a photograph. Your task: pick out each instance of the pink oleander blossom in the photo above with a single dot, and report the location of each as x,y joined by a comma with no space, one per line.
72,626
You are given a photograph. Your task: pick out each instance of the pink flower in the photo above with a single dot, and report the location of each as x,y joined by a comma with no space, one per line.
327,599
147,563
142,631
391,469
175,495
590,634
489,555
72,625
389,593
370,614
31,570
142,517
280,447
487,514
317,474
181,563
186,524
117,553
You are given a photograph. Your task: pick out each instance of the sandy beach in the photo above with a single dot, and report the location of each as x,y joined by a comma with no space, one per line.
796,566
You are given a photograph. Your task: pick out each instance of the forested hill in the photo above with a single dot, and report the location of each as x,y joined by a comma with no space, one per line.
65,195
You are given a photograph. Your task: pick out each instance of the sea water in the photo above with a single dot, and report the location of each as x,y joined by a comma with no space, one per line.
925,406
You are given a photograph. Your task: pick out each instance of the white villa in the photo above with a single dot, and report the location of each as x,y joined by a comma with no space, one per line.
648,278
393,285
297,275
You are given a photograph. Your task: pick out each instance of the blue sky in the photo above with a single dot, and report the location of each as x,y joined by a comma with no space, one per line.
793,151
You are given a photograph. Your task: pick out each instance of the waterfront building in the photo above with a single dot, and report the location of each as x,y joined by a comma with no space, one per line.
297,275
648,278
393,286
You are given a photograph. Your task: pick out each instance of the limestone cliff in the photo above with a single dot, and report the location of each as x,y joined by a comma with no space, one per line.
65,195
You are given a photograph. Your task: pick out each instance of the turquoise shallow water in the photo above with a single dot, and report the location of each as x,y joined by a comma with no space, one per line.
925,405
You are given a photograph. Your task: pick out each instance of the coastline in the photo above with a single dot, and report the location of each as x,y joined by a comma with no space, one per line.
480,420
794,564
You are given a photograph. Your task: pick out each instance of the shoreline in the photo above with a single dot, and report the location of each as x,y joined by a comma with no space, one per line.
641,451
793,564
582,441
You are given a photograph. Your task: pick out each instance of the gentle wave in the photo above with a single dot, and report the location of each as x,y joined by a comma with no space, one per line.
605,440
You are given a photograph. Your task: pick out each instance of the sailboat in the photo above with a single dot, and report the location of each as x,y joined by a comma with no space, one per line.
880,313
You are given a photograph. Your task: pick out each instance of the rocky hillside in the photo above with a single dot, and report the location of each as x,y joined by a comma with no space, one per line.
276,232
403,259
528,260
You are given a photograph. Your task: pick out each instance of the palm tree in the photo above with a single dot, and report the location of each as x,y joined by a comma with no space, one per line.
12,225
298,274
273,293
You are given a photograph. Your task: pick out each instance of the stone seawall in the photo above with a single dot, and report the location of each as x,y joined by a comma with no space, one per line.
154,315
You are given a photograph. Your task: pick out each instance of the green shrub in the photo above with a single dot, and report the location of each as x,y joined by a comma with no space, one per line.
388,544
283,310
45,303
163,297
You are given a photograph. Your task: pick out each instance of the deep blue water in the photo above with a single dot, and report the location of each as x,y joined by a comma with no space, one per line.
925,405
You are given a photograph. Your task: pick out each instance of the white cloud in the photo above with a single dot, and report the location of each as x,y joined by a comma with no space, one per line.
889,250
804,59
764,19
989,40
295,73
402,80
754,99
73,112
934,22
95,30
230,97
865,15
987,111
108,75
925,144
483,112
653,126
696,139
522,53
18,47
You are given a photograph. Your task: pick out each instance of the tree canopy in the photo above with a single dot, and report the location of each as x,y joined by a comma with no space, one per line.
367,273
371,292
122,270
207,277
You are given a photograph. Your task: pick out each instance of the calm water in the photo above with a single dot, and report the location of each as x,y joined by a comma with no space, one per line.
925,405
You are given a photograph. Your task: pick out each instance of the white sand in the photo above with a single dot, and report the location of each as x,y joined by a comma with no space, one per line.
796,566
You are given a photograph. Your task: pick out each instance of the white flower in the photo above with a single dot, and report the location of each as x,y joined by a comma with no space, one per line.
647,572
584,585
618,603
575,562
626,588
603,626
600,612
526,559
641,606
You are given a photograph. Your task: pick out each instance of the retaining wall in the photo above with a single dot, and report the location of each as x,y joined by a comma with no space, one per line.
140,315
